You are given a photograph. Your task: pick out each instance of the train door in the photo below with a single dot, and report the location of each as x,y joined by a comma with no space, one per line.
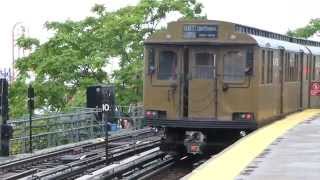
202,89
309,60
281,79
164,83
301,78
305,81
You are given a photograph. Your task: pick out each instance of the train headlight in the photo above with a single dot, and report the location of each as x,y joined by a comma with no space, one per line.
154,114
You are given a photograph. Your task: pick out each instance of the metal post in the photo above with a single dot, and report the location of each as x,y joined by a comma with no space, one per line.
5,129
106,137
30,130
31,107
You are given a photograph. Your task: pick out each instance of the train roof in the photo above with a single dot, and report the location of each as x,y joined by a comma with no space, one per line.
279,44
211,32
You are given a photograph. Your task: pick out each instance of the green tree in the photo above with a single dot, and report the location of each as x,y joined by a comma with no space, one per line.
78,52
307,31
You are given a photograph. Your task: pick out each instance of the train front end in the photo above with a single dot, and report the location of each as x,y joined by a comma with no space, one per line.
199,84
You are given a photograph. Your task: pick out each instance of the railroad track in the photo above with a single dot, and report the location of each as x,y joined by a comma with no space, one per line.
151,164
88,165
42,162
133,167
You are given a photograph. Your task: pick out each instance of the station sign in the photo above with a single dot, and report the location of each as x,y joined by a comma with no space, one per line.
200,31
315,89
106,108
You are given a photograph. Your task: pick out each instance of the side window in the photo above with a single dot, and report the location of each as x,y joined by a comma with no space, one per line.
249,61
263,57
287,67
204,66
234,66
317,71
167,65
307,69
151,61
291,66
269,67
313,68
296,67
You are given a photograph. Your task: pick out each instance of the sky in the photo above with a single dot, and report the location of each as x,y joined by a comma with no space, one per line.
273,15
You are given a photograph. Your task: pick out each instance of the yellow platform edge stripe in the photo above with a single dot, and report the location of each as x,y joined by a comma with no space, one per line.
228,164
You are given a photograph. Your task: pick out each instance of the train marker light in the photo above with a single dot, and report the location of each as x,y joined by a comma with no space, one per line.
149,114
248,116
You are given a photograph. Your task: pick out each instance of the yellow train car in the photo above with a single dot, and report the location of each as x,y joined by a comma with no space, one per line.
206,80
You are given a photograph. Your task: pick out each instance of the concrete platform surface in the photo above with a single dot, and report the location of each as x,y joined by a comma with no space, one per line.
288,149
294,156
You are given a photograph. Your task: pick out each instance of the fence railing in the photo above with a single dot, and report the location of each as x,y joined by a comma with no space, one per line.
62,128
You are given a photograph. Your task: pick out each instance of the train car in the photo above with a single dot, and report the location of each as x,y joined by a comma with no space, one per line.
208,80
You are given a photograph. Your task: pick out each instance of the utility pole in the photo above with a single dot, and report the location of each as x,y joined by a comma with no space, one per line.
22,32
31,108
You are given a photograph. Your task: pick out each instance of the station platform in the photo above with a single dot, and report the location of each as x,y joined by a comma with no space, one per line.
288,149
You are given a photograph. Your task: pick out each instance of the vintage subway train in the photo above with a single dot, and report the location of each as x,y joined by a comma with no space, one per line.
206,80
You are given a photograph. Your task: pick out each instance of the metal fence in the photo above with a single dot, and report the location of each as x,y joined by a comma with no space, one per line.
62,128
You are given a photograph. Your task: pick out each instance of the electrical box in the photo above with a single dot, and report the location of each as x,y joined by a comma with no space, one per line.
102,97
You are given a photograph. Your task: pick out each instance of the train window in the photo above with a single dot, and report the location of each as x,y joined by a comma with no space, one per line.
287,67
167,65
204,66
249,62
151,61
307,68
269,67
317,67
291,67
234,67
203,59
296,67
263,66
314,68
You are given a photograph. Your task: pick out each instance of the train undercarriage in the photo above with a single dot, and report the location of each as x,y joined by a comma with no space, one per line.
207,137
199,141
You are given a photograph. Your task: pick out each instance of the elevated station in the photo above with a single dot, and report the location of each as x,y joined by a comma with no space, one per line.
286,149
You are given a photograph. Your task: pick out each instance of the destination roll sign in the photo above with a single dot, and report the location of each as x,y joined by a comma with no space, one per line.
200,31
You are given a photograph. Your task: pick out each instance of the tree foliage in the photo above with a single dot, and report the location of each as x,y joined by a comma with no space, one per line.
78,52
307,31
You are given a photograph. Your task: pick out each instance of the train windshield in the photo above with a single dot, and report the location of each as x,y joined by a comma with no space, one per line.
167,65
204,66
234,66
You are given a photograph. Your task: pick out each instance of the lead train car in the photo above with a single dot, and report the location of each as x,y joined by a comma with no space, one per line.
206,80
